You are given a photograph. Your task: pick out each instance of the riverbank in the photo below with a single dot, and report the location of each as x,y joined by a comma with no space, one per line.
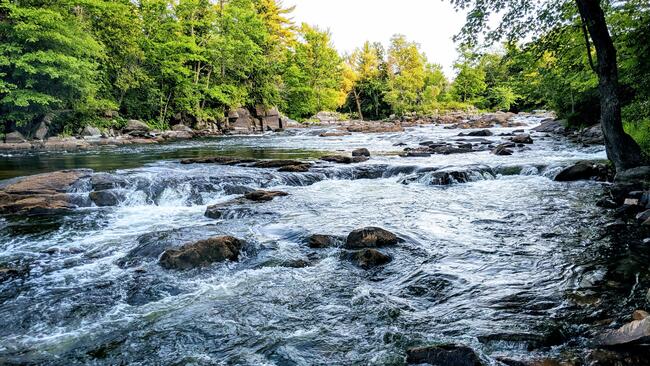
491,258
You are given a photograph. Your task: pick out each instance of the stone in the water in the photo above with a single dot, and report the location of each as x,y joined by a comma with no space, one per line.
202,253
90,131
7,273
443,355
319,241
479,133
522,139
298,168
136,128
334,134
340,159
361,152
263,196
368,258
581,170
370,237
640,315
501,150
14,137
221,160
278,163
635,332
105,198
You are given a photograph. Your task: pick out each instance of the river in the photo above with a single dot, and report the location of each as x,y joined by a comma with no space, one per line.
503,253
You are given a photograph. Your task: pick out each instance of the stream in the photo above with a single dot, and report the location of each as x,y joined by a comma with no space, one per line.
495,261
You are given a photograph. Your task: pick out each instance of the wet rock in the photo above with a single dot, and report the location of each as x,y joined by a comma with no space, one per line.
501,150
105,198
635,175
551,126
177,135
295,263
221,160
606,202
581,170
522,139
374,127
328,117
478,133
279,163
369,258
531,341
103,181
7,273
202,253
319,241
335,134
443,355
298,168
635,332
633,356
370,237
361,152
447,150
264,196
14,138
90,131
417,152
643,216
340,159
640,315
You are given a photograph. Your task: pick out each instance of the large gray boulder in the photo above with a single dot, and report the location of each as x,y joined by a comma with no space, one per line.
135,127
634,332
91,131
14,137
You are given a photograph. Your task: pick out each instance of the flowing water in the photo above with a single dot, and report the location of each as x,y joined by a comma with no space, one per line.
494,253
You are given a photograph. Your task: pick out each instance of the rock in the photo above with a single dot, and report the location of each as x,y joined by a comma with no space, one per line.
447,150
443,355
41,193
643,216
278,163
606,202
182,128
334,134
103,181
369,257
41,131
635,175
327,117
90,131
551,126
263,196
136,128
221,160
478,133
581,170
319,241
618,357
592,135
370,237
297,168
14,137
105,198
361,152
340,159
177,135
7,273
501,150
637,331
522,139
640,315
202,253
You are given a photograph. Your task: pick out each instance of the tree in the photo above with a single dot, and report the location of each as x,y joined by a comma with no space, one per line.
469,83
519,17
406,75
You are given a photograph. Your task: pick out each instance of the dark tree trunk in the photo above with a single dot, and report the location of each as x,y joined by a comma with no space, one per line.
358,102
622,150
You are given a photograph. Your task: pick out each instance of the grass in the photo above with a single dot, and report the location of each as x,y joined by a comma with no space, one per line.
640,132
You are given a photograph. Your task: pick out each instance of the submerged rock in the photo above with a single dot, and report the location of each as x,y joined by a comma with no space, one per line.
319,241
334,134
279,163
202,253
7,273
298,168
522,139
635,332
443,355
370,237
368,258
501,150
477,133
105,198
263,196
340,159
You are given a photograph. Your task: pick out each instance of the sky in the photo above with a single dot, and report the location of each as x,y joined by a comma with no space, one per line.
431,23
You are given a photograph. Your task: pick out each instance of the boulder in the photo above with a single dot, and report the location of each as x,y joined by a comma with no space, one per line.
640,315
90,131
264,196
522,139
501,150
592,135
136,128
319,241
105,198
297,168
221,160
551,126
7,273
327,117
177,135
361,152
242,121
581,170
448,150
41,131
369,257
478,133
202,253
14,137
635,332
340,159
443,355
370,237
278,163
635,175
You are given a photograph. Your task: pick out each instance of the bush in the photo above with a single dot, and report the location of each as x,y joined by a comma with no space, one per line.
640,132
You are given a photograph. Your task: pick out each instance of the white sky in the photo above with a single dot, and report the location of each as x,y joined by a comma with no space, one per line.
431,23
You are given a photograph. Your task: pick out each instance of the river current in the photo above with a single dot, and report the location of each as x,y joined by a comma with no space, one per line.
500,252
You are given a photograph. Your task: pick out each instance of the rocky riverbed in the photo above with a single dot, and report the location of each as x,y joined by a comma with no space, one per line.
491,241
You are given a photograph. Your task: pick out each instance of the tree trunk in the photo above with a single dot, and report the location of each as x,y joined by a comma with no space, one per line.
622,150
356,99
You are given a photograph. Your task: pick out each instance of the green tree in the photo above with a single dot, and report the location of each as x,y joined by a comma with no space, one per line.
406,75
469,83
